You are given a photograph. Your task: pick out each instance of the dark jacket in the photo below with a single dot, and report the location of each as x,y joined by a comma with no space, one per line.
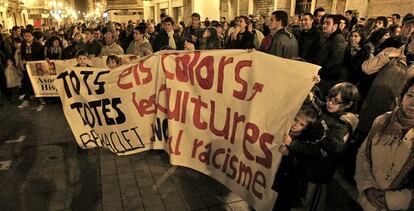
324,148
152,37
33,53
295,30
197,32
94,47
309,44
70,51
395,42
330,57
161,42
125,39
284,44
353,64
244,41
266,30
53,54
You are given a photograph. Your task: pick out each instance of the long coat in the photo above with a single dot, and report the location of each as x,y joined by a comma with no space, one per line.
330,56
386,167
284,44
309,43
381,97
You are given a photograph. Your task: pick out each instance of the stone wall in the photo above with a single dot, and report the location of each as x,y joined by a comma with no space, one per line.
187,11
388,7
123,3
326,4
340,6
359,5
284,5
263,7
244,7
224,9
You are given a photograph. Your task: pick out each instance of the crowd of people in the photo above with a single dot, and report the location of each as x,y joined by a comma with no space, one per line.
364,96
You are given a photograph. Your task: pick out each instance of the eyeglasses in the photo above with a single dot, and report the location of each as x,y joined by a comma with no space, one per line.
334,101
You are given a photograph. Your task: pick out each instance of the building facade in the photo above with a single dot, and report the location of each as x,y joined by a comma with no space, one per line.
13,12
36,12
181,10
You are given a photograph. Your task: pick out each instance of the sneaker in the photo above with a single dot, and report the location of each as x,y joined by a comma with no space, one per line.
42,101
21,96
24,104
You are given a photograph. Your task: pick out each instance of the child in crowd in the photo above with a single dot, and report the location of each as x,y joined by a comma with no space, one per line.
288,176
13,80
16,53
113,61
82,58
326,142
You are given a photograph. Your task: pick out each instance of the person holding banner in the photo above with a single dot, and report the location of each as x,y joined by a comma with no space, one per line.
328,142
31,50
288,177
113,61
82,58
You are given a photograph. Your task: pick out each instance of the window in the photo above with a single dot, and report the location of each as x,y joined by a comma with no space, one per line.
303,6
178,13
165,11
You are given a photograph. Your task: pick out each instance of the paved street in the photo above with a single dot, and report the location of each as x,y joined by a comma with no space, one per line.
46,172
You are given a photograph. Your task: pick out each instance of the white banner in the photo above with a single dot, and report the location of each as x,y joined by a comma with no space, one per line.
221,112
42,73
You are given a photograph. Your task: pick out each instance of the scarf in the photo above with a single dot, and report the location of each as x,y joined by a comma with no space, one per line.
171,41
394,128
294,134
354,50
